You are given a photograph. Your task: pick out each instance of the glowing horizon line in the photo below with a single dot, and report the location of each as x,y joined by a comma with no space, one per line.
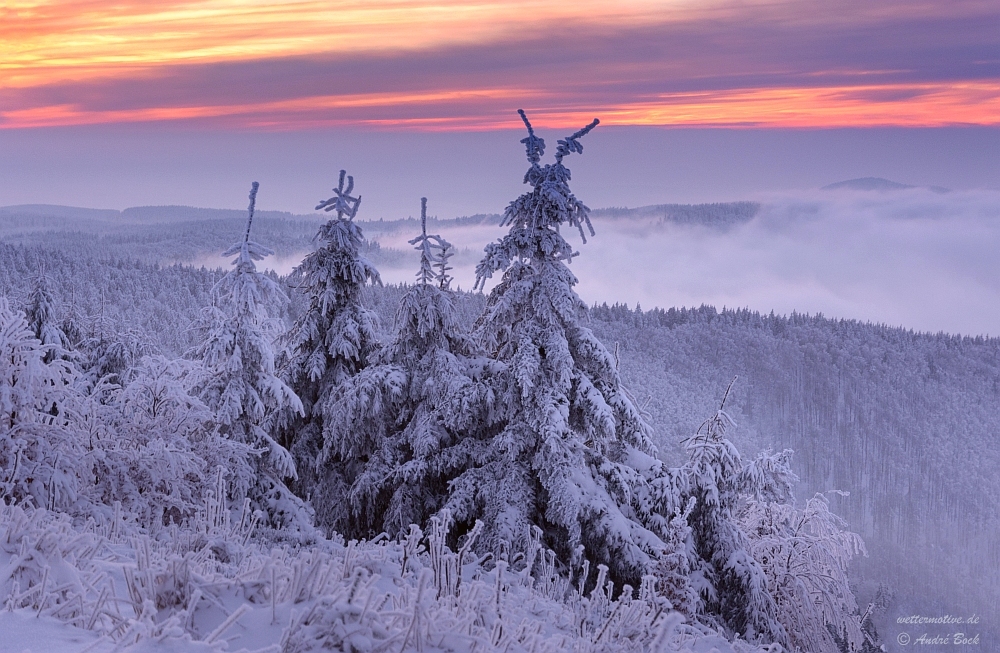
922,105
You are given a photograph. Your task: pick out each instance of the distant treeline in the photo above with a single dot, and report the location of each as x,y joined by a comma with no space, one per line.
719,215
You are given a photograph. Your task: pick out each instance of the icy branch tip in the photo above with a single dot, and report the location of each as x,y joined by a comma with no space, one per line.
350,183
583,132
534,145
726,396
253,197
572,143
253,203
342,202
527,124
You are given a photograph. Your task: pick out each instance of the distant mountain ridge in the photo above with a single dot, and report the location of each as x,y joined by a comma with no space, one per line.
152,234
145,214
57,211
879,184
712,214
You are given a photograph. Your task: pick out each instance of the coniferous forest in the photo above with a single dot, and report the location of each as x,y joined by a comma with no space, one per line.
229,458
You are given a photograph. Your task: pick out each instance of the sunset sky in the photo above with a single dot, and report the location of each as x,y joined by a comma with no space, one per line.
83,77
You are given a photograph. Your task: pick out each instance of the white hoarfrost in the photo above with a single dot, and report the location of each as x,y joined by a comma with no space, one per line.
39,453
104,587
43,321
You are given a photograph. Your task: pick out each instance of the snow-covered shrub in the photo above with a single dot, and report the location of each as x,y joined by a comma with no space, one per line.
152,447
43,320
761,568
113,352
805,553
39,452
672,569
333,340
149,447
732,588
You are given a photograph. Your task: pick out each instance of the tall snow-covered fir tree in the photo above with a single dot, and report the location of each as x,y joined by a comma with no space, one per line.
563,460
402,428
240,384
333,340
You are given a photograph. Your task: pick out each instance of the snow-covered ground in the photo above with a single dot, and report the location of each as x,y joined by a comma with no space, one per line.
98,588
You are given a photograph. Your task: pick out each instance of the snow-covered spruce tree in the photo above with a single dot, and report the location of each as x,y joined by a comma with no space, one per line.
563,460
673,568
333,340
43,321
240,384
403,427
39,451
113,351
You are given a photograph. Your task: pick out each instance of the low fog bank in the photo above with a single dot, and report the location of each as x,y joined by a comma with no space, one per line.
915,258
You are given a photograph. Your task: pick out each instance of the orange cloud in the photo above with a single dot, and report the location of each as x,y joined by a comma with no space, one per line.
756,62
55,39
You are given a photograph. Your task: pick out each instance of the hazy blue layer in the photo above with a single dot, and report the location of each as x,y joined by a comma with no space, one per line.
468,173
